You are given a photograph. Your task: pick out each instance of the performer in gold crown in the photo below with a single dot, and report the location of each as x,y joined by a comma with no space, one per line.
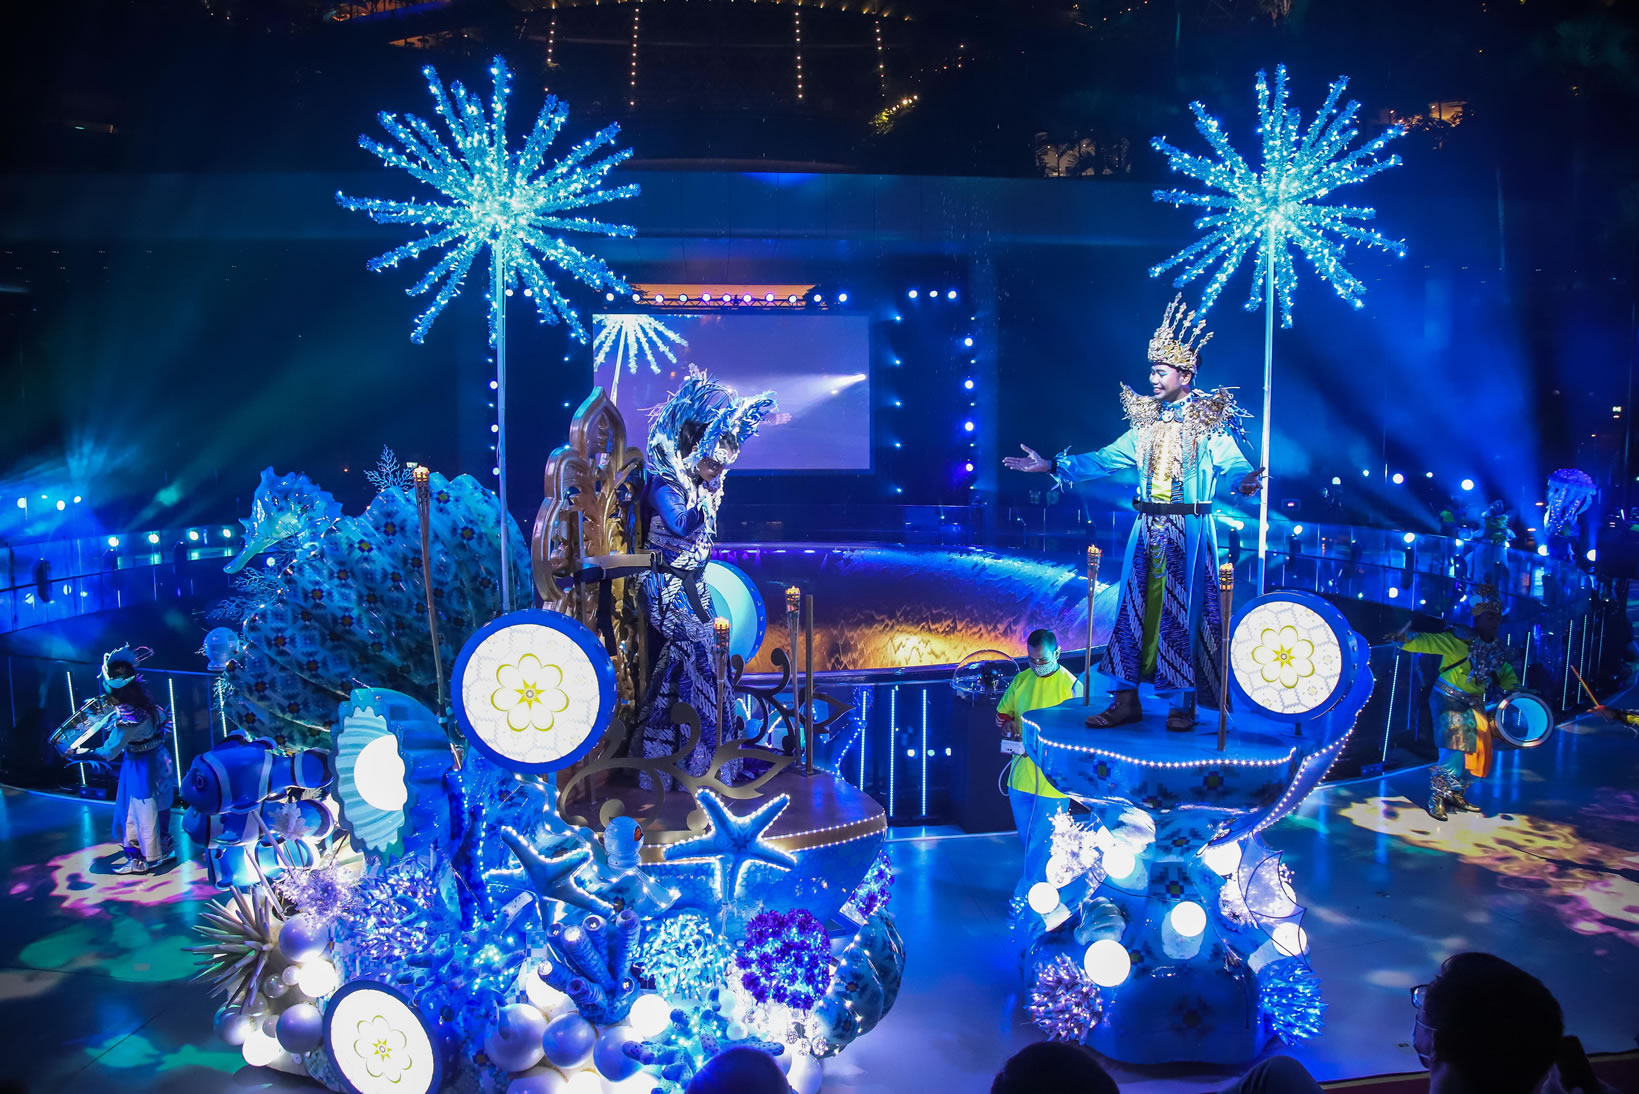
1182,442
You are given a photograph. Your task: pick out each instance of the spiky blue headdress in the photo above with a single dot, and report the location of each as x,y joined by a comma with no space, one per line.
729,421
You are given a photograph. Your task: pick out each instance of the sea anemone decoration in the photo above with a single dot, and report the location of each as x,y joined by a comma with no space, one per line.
785,959
1289,997
1064,1001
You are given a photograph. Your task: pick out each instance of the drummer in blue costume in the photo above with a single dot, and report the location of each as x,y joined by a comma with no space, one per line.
1182,443
1470,667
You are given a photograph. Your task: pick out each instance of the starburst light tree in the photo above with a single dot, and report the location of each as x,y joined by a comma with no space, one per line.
1275,210
627,338
514,205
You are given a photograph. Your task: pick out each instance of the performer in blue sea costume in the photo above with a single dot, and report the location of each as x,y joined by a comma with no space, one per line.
136,735
1181,442
694,437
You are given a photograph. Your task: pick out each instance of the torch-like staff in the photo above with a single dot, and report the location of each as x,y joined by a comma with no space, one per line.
1226,605
1093,557
808,679
720,632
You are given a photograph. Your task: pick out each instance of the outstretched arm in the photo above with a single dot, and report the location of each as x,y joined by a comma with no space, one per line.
1069,470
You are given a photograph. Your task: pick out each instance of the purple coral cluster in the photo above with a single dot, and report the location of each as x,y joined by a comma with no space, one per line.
873,892
785,959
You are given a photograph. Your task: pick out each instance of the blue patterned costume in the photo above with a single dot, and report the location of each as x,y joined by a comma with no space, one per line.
701,420
1168,622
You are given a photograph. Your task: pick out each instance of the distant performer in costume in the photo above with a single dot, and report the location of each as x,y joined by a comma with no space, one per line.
137,730
694,437
1470,668
1182,442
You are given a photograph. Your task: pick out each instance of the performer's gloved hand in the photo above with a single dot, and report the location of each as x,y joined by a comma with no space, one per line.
1251,482
1030,461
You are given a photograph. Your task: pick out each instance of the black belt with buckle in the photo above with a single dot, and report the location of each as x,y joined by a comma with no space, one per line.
1167,509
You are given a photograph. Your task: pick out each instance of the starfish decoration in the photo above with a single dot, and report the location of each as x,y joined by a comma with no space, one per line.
735,842
552,879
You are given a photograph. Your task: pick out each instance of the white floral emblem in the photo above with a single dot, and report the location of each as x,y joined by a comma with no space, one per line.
530,694
1283,656
384,1049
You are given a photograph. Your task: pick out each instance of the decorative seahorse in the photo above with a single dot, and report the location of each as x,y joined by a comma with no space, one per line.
348,607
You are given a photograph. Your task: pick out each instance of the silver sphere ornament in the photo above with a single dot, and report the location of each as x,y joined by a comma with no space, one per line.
569,1040
609,1056
232,1026
300,1028
302,939
514,1042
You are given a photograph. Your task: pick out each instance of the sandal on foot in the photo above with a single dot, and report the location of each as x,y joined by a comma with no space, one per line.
1181,721
1109,719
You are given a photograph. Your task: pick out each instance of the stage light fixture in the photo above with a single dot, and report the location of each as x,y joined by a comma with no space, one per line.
968,384
492,385
1394,593
1365,472
1593,555
609,296
22,503
951,295
1542,549
968,425
61,505
746,299
968,341
1297,529
969,466
842,298
1336,481
113,541
227,533
78,499
193,535
1398,478
1409,538
791,299
899,489
682,298
153,537
1428,474
706,297
768,298
912,294
818,299
1468,484
898,402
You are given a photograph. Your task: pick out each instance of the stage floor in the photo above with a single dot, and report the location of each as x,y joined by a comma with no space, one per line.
93,992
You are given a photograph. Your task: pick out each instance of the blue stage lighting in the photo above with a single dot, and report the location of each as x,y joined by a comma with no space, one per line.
1398,478
78,499
912,294
61,505
1428,474
1593,556
968,426
1365,472
227,533
1409,538
1394,593
1468,484
968,341
1542,549
153,537
968,466
1297,529
968,384
193,535
1336,481
842,298
113,541
22,503
951,295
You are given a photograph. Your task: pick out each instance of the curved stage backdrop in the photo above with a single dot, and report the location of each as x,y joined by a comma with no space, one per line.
889,607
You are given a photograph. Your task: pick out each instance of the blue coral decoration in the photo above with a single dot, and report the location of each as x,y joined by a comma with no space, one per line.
1289,997
785,959
696,1034
591,963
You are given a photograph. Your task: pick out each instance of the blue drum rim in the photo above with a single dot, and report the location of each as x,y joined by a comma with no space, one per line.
1509,739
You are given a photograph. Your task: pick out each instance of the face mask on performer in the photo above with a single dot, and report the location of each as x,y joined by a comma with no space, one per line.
1044,660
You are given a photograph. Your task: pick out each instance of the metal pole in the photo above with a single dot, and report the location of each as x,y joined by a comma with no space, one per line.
1226,605
793,621
1093,556
423,504
808,679
498,307
1268,381
720,634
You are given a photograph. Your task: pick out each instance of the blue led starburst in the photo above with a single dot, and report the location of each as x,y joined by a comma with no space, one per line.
1279,208
625,339
514,204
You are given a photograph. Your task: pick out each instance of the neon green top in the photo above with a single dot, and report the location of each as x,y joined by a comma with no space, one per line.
1454,665
1030,692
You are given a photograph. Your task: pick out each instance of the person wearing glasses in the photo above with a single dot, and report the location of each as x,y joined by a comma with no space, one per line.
1482,1026
1035,801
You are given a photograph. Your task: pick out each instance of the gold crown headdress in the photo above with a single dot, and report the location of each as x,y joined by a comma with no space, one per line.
1485,599
1174,343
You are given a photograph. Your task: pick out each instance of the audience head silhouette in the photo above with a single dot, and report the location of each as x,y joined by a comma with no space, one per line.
1487,1025
740,1071
1055,1066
